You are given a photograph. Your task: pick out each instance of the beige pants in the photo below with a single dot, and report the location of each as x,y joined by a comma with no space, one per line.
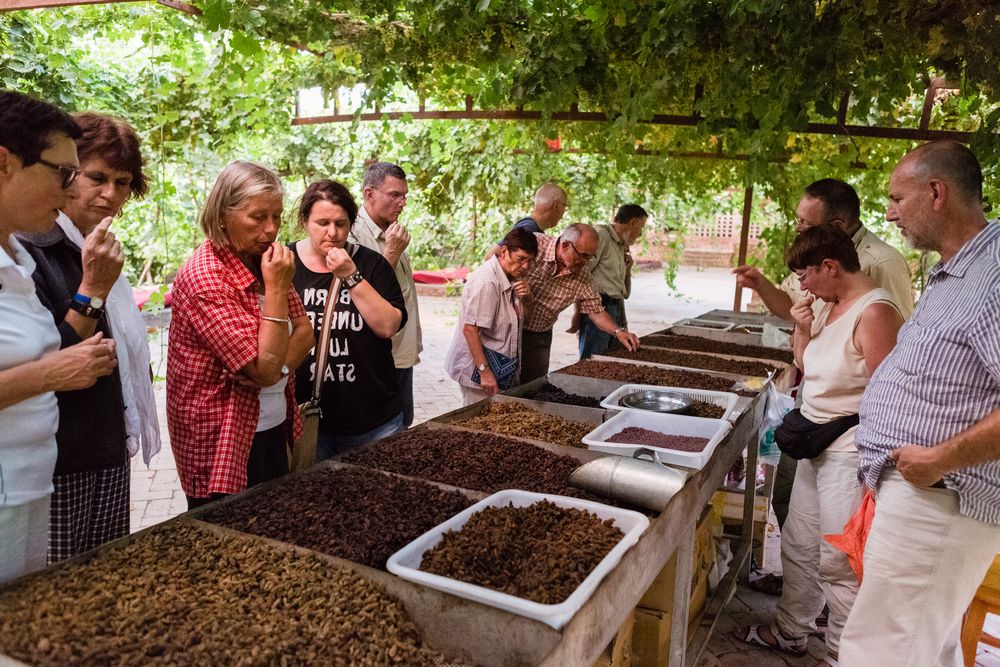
825,495
472,395
24,538
923,564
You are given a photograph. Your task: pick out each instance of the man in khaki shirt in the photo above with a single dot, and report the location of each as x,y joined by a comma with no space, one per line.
611,271
377,228
831,201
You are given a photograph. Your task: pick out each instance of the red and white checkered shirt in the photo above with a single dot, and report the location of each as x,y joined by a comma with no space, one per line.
214,325
550,294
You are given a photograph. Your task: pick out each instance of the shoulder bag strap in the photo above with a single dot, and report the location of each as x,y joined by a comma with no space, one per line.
323,344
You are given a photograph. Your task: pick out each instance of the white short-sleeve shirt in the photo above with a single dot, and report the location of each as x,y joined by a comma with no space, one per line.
27,429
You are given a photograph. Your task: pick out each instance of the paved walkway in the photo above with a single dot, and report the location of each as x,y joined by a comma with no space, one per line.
156,494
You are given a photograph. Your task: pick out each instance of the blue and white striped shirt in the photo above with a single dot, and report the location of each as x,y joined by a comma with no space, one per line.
943,375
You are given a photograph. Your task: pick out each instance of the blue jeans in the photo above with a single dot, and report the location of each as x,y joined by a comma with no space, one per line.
405,376
329,444
594,341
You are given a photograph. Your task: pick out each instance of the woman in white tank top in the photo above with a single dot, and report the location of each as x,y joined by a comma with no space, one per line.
838,349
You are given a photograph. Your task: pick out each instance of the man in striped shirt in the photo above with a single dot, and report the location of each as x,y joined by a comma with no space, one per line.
929,437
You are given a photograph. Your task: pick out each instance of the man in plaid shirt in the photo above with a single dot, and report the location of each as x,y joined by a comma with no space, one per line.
560,277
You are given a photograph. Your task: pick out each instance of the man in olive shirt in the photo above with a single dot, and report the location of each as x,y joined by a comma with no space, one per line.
611,271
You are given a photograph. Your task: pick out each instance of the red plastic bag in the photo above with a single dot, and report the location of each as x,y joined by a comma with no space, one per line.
852,540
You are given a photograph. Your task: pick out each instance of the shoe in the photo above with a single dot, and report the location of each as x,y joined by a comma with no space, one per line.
751,635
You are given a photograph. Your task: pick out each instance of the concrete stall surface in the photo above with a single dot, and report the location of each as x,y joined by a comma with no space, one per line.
157,496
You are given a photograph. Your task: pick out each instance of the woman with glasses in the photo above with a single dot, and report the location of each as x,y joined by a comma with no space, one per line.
838,349
360,398
237,329
485,353
79,280
38,166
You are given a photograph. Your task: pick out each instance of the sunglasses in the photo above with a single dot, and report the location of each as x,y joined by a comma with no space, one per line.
67,174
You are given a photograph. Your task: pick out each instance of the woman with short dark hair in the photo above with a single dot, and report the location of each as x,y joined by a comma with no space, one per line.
360,399
38,174
79,280
838,348
485,353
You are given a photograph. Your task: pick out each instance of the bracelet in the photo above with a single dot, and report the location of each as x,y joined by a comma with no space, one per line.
279,320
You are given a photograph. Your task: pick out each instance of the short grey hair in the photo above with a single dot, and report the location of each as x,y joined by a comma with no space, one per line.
576,231
953,162
375,174
548,194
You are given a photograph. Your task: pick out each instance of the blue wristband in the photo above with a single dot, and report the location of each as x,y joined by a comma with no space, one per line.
79,298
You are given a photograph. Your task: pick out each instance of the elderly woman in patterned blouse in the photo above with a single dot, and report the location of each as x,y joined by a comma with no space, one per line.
237,328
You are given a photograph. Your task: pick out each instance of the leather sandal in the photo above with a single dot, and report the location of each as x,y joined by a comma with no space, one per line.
796,647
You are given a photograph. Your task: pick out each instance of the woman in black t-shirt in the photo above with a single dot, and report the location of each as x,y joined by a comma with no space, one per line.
360,397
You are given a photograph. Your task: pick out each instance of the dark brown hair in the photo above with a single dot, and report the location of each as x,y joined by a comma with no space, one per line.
114,141
331,191
520,239
821,242
839,199
630,212
27,124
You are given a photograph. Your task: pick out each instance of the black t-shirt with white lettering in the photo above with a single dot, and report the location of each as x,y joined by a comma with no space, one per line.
361,390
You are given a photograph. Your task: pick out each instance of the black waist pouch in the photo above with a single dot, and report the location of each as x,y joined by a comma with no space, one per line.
801,438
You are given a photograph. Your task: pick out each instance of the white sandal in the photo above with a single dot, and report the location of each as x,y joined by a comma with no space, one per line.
796,647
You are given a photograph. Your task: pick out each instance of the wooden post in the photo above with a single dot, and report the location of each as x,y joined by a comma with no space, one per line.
744,240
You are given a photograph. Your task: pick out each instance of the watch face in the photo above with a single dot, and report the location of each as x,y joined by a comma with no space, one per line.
96,302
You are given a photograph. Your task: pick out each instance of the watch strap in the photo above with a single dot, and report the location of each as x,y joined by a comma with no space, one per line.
86,309
353,280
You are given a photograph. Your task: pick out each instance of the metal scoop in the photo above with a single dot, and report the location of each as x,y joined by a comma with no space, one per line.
649,484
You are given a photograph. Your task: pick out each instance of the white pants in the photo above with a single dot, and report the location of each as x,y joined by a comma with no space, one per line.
923,564
472,395
24,538
825,495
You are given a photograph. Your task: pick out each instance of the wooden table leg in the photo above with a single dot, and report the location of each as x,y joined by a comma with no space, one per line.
682,598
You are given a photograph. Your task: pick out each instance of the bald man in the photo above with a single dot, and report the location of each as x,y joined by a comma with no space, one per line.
559,277
550,203
929,437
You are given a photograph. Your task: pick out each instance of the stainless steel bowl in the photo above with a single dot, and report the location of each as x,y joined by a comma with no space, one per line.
655,400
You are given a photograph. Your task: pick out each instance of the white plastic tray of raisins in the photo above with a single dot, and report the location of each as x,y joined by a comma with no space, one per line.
724,399
405,563
714,430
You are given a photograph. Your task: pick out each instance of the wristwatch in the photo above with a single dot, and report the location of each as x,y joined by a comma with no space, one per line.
92,307
353,280
481,368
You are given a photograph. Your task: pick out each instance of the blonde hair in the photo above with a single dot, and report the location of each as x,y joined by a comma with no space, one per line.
237,183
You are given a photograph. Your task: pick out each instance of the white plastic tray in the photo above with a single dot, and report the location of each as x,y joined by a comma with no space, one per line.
713,429
405,563
723,399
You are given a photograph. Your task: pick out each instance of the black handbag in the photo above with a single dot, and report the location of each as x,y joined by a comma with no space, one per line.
801,438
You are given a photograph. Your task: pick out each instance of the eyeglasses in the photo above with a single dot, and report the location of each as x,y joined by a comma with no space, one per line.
67,174
393,195
802,276
582,255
